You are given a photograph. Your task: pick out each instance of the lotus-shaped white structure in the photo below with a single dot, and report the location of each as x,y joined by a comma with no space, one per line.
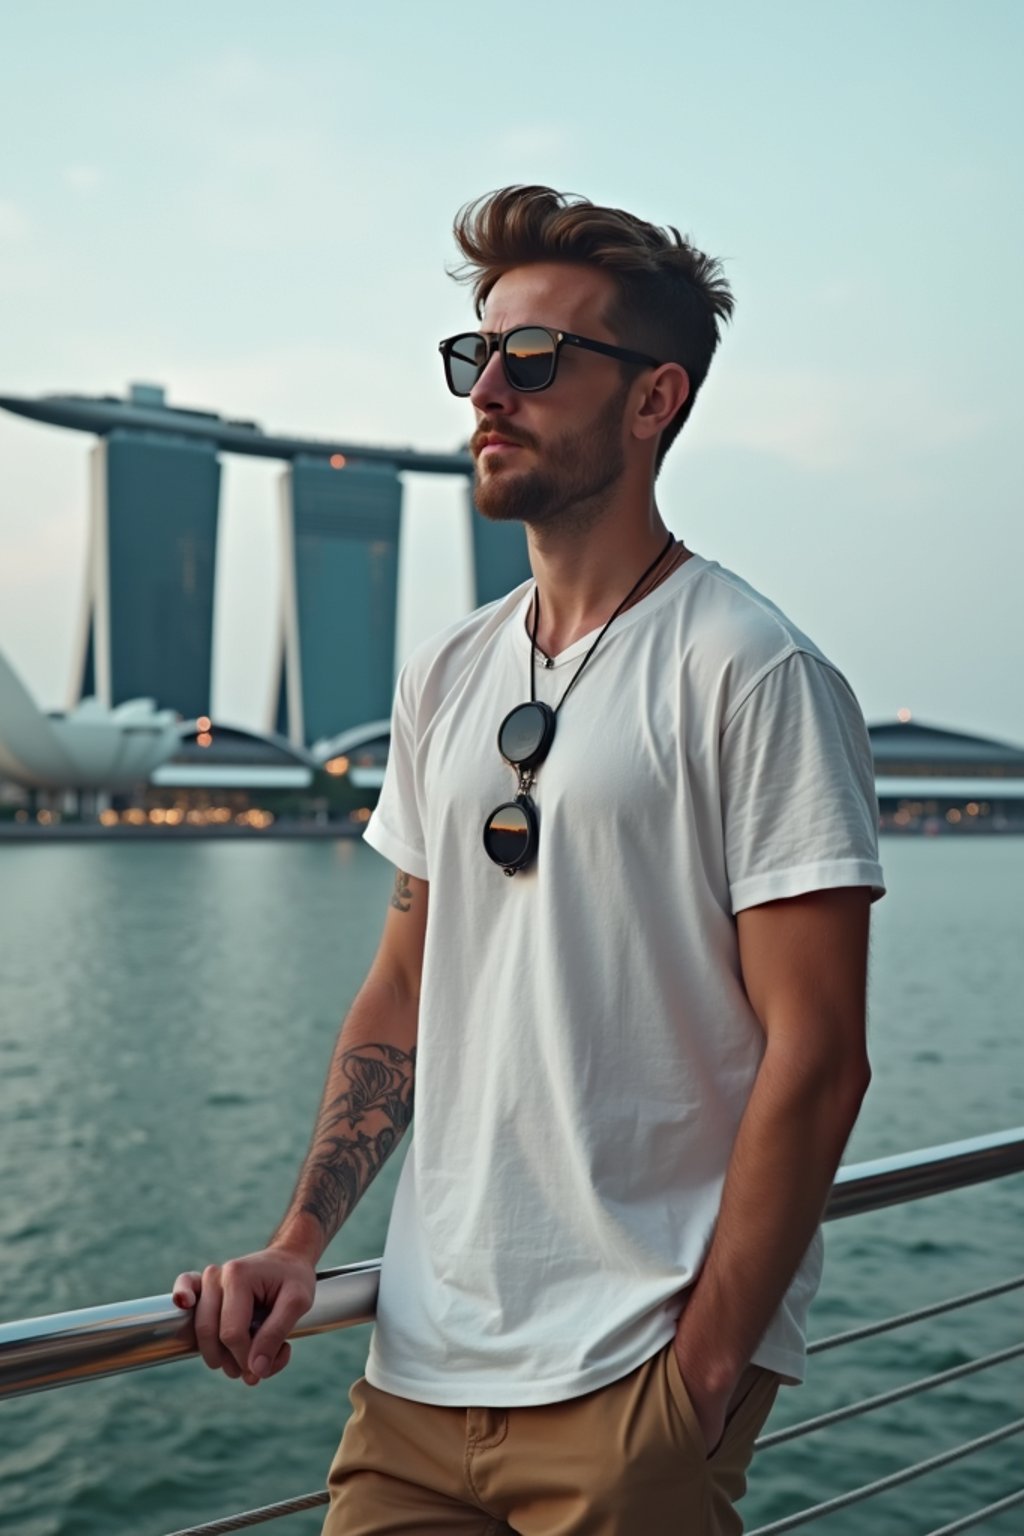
89,747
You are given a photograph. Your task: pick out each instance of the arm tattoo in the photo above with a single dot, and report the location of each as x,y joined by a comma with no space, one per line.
401,896
356,1130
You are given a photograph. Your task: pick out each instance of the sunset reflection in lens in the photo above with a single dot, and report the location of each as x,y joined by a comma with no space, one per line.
507,835
529,353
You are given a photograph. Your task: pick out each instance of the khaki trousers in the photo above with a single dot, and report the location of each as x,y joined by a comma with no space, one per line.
627,1460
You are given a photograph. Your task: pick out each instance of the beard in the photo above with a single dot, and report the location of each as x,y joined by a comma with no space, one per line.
569,489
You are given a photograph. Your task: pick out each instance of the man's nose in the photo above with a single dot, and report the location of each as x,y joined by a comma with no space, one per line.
492,391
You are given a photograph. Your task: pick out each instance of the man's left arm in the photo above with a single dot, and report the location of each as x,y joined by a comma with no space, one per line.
804,966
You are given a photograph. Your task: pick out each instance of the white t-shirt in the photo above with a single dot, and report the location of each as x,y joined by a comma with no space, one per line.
586,1047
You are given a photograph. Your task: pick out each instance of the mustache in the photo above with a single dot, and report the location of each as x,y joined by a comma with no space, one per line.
495,429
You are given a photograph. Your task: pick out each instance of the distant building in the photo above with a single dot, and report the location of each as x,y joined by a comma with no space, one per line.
931,779
361,754
214,757
147,623
89,747
340,532
225,777
147,620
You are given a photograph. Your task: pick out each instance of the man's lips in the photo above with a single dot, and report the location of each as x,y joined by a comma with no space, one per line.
496,441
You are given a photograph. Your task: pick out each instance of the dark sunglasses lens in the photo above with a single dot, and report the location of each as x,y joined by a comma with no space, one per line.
524,736
467,359
529,358
508,836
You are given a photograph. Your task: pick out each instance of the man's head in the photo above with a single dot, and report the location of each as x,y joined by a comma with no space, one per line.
536,257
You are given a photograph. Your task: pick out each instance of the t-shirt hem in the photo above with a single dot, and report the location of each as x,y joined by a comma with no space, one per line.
789,1364
453,1392
500,1393
828,874
393,848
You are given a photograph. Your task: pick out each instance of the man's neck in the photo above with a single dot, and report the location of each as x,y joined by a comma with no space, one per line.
582,576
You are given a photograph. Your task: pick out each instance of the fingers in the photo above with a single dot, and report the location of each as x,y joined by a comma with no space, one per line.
185,1290
269,1351
279,1362
224,1300
240,1292
216,1352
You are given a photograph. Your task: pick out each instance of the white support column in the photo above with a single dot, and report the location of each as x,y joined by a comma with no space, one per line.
100,552
290,615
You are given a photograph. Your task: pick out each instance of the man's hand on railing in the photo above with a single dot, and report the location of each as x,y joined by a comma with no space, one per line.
245,1310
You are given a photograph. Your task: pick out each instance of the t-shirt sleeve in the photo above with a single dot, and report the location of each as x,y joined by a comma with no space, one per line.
800,812
396,829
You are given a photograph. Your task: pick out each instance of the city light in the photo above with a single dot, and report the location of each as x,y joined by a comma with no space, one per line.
337,765
903,715
203,723
337,461
204,739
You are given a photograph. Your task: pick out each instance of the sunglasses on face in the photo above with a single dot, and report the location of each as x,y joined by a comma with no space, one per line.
529,356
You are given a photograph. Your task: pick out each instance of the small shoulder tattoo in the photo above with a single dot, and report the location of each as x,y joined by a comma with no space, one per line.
401,896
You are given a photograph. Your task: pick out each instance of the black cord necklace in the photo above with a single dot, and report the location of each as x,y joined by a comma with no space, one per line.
579,670
511,832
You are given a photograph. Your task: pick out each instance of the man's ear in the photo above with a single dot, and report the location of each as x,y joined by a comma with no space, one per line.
665,392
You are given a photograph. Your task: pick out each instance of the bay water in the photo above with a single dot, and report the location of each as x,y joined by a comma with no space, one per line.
167,1011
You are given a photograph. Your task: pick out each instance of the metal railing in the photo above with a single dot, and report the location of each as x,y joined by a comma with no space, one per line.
69,1347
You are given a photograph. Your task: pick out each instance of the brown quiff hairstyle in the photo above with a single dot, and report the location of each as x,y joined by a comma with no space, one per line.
671,298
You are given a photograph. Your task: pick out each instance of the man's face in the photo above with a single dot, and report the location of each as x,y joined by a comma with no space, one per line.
549,459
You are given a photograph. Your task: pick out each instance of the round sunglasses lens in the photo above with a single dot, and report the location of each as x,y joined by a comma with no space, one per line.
508,836
524,736
467,359
529,358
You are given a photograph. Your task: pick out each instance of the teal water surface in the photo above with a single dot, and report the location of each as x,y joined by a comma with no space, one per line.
168,1012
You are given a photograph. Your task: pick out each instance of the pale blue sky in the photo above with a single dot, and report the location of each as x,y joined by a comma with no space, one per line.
251,203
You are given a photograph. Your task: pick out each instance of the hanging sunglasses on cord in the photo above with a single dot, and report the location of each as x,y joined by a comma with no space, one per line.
512,831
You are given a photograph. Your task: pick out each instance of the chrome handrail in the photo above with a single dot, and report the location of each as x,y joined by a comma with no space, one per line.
931,1171
67,1347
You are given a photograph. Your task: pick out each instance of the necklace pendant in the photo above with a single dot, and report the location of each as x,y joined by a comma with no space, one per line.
549,662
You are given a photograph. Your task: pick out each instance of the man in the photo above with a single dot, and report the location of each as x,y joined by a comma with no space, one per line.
635,1015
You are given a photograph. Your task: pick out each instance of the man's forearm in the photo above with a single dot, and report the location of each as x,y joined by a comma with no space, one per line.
790,1140
367,1105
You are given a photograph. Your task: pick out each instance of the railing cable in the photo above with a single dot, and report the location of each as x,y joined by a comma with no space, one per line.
883,1399
969,1521
257,1516
894,1480
869,1330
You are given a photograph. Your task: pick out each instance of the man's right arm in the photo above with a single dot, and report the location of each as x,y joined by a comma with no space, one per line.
367,1104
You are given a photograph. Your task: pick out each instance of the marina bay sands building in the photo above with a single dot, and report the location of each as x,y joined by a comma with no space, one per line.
340,529
147,617
146,628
